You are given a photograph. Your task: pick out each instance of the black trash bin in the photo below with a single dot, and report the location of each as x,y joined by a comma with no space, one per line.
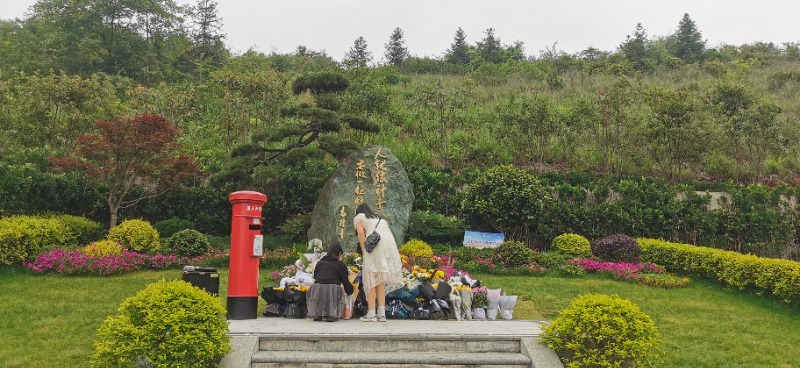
206,278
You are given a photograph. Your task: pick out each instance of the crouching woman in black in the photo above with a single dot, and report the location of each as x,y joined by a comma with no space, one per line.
324,298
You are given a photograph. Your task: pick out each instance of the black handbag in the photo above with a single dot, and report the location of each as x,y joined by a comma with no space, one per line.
372,240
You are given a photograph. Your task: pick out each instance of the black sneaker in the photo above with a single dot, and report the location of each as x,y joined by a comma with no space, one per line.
331,319
318,319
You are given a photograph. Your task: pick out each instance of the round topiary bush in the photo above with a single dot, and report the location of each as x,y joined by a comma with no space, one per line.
513,254
167,324
136,235
506,199
169,227
572,245
618,248
417,248
599,330
103,248
188,243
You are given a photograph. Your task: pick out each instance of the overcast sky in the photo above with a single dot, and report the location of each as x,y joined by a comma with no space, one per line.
430,25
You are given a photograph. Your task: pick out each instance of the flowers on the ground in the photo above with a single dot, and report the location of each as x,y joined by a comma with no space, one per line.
479,297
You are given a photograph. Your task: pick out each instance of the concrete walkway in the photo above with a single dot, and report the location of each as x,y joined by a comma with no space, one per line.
245,333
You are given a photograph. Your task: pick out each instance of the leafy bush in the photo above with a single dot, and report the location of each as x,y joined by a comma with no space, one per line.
616,248
550,259
599,330
103,248
506,199
572,245
169,227
188,243
136,235
80,230
296,227
22,238
436,228
167,324
513,254
417,248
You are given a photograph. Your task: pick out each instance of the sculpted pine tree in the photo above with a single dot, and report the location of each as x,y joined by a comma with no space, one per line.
687,42
396,52
308,131
459,50
358,57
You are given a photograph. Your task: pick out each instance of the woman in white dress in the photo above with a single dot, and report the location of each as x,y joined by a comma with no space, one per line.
382,269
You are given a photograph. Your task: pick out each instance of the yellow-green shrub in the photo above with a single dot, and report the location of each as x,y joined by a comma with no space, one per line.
23,238
417,248
167,324
572,245
780,277
103,248
80,230
599,330
136,235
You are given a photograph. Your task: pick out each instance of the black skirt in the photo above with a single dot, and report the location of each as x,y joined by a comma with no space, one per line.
325,300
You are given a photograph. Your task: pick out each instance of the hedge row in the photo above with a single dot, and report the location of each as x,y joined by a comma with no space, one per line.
22,238
778,277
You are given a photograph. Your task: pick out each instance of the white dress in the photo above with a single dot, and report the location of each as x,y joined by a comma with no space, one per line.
383,265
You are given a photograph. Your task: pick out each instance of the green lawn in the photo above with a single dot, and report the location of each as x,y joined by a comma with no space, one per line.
50,321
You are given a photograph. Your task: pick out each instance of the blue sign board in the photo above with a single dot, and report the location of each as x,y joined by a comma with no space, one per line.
483,240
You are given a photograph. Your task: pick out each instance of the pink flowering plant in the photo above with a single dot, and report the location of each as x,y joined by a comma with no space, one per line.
641,273
76,262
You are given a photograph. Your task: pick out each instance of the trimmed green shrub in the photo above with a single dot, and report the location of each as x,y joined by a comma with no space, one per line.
167,324
616,248
417,248
23,238
436,228
136,235
169,227
188,243
779,277
80,230
599,330
103,248
507,199
296,227
572,245
513,254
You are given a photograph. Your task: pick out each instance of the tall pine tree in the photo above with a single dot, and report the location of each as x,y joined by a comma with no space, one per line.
358,57
396,52
459,50
687,42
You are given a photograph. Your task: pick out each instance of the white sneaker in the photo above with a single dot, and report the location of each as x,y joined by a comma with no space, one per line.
381,318
368,319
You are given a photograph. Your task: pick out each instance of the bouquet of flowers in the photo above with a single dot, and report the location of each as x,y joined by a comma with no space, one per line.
465,294
479,297
479,302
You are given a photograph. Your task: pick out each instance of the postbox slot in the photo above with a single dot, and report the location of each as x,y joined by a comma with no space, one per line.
254,227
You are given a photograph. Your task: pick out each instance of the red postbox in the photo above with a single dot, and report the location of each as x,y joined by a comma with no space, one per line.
246,250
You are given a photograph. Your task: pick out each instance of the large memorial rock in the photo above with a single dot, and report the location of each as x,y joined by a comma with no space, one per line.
374,176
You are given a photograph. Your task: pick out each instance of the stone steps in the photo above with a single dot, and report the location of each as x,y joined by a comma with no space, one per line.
280,342
395,351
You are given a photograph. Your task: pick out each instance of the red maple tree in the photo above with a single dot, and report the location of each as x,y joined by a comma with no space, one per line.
130,159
